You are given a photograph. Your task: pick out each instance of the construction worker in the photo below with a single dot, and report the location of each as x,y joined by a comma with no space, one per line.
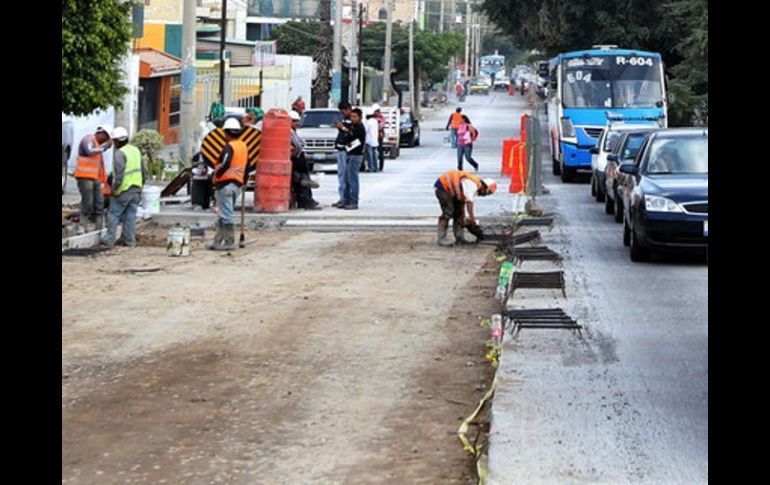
126,181
229,177
90,175
453,123
456,192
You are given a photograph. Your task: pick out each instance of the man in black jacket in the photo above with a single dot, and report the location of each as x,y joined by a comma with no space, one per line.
342,127
353,141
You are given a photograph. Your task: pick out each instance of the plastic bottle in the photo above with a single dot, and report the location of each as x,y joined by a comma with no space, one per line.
506,270
497,327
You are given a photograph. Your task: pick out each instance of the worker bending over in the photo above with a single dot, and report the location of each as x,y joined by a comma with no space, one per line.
456,192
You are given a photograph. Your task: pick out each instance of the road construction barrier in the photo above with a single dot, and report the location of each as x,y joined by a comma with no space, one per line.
519,169
506,163
272,192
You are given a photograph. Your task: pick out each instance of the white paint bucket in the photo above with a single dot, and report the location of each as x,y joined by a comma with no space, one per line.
178,242
151,200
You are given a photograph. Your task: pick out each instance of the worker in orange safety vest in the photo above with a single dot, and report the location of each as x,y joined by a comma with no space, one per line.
456,192
91,176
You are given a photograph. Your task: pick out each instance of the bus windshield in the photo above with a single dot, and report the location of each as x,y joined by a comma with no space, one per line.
611,82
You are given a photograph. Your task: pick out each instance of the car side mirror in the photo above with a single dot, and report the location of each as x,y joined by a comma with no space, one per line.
594,150
628,168
612,158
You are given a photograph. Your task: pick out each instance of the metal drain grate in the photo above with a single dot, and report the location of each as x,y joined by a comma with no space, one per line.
536,221
535,253
511,239
545,279
548,318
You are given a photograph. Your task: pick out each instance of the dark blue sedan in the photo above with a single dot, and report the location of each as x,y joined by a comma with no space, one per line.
665,196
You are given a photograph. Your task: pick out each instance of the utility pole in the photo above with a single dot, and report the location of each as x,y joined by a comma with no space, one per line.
222,54
187,97
360,52
441,17
452,15
412,97
386,88
337,62
353,56
467,33
323,56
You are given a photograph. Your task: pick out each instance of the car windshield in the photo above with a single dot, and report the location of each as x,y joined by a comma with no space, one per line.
686,155
632,145
611,81
320,119
405,118
609,141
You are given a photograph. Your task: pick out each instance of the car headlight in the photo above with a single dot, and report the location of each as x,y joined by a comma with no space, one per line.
567,128
654,203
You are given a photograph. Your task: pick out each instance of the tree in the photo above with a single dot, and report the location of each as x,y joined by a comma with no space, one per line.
678,29
95,35
300,38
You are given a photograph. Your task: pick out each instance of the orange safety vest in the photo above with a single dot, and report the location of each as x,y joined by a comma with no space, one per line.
237,167
452,182
90,167
457,118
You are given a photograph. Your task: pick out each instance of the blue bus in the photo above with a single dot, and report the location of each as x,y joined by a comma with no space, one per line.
589,89
493,66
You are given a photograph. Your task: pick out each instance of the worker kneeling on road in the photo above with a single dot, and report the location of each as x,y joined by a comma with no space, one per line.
229,177
126,181
456,190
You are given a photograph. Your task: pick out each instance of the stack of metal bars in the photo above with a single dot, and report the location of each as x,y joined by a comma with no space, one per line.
543,279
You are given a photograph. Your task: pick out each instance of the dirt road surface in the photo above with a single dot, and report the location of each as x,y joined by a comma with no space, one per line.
305,358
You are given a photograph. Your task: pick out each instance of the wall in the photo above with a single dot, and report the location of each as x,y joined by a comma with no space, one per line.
164,10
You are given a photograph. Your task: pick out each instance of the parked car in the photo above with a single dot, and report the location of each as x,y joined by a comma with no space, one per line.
501,84
478,86
410,129
67,142
626,150
599,153
317,128
666,194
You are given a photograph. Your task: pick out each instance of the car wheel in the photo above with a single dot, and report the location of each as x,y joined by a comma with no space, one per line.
626,234
609,207
600,195
637,252
394,152
593,187
567,173
556,168
618,209
417,141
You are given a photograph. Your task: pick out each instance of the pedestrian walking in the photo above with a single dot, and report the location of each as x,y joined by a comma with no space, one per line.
466,135
372,140
453,123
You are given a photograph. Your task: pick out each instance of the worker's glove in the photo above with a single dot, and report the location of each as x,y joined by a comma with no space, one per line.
475,229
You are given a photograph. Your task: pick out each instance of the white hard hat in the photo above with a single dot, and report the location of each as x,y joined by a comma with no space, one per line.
491,185
375,107
232,124
294,115
105,128
119,133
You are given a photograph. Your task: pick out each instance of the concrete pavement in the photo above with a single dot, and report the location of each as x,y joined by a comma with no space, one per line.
629,402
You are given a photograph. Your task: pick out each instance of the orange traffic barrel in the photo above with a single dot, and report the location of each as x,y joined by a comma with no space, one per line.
272,190
524,128
507,160
519,169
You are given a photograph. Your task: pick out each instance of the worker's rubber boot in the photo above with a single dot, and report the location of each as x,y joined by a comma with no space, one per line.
441,239
457,228
229,237
218,237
